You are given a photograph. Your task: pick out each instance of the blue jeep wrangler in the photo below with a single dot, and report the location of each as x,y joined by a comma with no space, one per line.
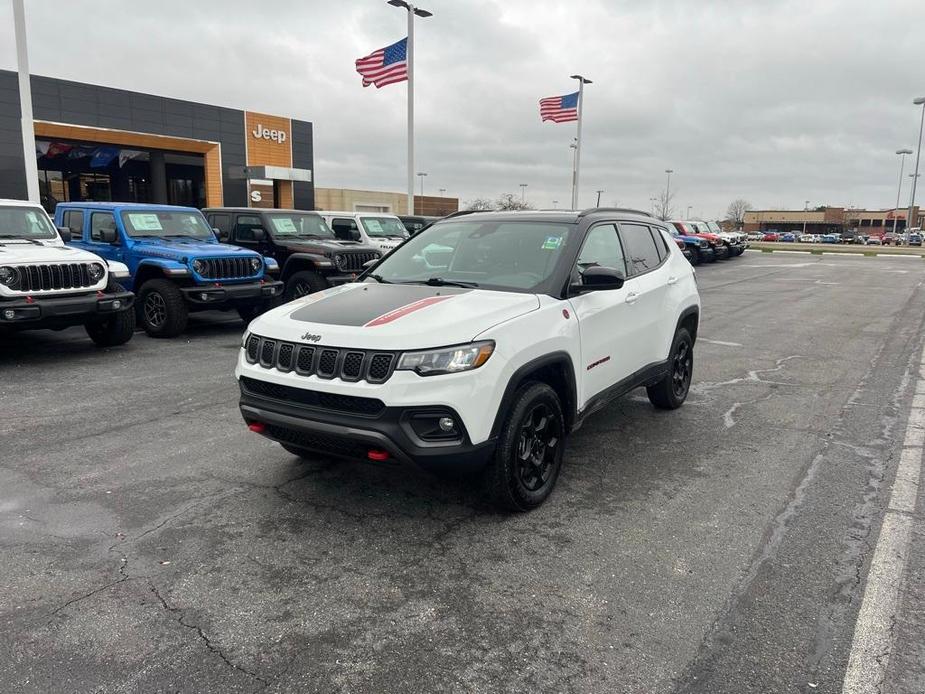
176,263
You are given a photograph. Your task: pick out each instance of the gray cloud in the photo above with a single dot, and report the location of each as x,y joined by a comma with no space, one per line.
774,101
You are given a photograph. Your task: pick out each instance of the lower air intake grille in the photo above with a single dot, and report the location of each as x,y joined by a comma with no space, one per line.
365,407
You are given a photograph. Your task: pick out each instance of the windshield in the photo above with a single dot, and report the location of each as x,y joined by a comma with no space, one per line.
298,225
384,226
714,227
25,223
496,255
167,224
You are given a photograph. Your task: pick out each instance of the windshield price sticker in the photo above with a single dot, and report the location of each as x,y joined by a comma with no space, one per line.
552,243
145,222
373,226
284,225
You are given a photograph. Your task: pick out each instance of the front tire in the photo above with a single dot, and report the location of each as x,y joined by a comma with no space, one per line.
304,283
527,461
162,309
695,256
115,330
671,392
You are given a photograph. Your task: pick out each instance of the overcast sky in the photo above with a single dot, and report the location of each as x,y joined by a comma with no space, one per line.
776,102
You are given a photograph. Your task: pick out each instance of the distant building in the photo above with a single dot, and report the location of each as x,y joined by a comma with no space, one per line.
382,201
830,220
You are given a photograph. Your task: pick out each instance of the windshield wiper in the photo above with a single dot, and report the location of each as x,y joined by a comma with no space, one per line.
184,236
380,279
440,282
20,238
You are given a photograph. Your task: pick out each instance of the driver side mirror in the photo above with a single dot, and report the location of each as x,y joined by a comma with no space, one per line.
65,234
260,234
598,278
108,235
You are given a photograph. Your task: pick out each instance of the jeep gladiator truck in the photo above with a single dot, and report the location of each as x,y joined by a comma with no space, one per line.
44,284
310,257
177,265
478,345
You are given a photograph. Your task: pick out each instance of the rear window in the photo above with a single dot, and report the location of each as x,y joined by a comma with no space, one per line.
641,252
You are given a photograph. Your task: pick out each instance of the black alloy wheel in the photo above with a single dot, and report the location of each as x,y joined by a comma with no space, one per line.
155,310
537,448
682,369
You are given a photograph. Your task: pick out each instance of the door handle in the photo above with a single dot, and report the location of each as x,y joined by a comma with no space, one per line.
672,280
631,298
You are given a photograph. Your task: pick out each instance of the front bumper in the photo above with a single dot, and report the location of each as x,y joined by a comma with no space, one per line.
321,429
217,294
62,311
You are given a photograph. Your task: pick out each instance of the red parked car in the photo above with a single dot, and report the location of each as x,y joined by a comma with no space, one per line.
771,236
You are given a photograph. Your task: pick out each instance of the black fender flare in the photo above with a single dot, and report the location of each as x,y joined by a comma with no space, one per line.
686,313
309,260
560,359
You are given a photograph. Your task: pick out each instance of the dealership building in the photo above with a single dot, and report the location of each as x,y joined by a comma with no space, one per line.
830,220
97,143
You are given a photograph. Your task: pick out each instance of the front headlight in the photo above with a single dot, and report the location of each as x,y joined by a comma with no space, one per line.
9,276
447,360
256,264
96,272
199,267
704,244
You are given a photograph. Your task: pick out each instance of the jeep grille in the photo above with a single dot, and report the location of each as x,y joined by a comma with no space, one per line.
323,362
42,278
353,261
228,268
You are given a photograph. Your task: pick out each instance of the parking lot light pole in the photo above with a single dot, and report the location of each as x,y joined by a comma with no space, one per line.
598,203
899,190
918,102
523,189
577,167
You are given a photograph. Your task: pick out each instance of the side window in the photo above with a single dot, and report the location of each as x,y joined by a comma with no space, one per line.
641,253
222,222
343,227
74,220
100,221
660,246
244,227
602,247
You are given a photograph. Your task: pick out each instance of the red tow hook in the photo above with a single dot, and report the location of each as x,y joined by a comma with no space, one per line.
257,427
377,455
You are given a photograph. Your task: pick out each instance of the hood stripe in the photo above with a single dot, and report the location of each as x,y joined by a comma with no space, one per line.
405,310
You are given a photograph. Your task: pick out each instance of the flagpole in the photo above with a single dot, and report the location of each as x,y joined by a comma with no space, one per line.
410,57
25,103
577,166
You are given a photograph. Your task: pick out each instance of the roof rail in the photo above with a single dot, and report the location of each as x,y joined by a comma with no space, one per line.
592,210
460,213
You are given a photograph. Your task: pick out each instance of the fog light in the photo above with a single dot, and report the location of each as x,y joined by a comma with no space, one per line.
9,314
204,296
116,305
447,424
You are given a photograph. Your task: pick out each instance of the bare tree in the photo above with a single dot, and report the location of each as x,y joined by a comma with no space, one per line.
480,204
509,201
735,213
663,208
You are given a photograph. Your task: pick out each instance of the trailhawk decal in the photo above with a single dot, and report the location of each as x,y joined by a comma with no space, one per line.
405,310
369,304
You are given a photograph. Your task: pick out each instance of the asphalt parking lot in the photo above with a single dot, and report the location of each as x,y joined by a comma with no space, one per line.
152,543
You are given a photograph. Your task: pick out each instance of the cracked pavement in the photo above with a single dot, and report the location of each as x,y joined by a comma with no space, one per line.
151,543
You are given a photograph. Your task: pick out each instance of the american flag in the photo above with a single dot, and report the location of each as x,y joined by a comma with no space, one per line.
559,109
386,66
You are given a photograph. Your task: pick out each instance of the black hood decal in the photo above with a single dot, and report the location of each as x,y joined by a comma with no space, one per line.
371,301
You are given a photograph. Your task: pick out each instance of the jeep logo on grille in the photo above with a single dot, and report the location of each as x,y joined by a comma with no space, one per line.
308,337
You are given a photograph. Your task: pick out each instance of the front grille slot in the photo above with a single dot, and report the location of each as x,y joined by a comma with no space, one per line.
227,268
351,404
43,278
353,261
323,362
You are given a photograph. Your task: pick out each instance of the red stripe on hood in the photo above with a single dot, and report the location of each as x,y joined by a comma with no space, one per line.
405,310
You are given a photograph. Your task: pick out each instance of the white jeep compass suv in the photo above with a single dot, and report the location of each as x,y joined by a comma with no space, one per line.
479,344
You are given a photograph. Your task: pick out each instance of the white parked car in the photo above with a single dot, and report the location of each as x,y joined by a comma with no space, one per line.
45,284
479,344
383,231
806,238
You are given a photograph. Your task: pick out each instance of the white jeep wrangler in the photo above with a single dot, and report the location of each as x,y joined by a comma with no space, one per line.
479,344
45,284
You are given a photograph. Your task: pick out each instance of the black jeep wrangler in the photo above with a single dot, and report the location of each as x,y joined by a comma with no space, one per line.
310,257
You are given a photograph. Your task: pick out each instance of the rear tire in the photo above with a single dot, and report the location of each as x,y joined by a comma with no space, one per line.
115,330
526,463
162,309
304,283
671,392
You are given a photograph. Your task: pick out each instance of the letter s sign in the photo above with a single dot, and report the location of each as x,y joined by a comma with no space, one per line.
256,196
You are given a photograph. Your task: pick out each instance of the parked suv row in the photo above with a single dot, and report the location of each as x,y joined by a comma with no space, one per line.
706,242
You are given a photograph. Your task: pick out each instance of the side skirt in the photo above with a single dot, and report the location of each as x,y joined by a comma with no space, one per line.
646,376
